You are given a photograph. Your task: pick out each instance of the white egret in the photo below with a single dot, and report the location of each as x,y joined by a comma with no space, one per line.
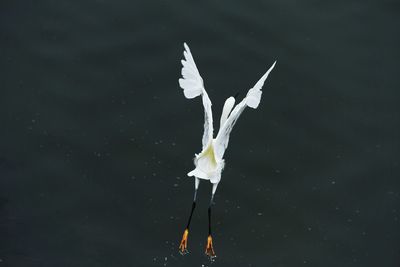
209,163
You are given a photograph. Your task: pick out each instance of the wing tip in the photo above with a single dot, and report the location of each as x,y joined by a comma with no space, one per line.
265,76
272,67
185,45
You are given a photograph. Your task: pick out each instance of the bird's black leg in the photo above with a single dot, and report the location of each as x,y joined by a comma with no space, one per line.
209,248
191,212
183,246
209,214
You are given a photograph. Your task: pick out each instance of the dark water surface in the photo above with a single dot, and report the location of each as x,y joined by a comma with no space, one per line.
96,136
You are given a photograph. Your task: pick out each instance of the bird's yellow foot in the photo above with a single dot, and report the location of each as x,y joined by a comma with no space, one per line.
183,246
209,248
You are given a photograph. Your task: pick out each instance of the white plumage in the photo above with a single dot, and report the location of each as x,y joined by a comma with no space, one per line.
209,163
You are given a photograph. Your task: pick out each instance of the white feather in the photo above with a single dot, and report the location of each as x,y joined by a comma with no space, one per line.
254,95
209,163
252,100
193,86
192,83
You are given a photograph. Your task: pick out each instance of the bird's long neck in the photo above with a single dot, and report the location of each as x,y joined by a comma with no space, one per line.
229,103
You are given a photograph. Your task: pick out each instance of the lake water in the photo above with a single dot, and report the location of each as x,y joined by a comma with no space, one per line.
97,137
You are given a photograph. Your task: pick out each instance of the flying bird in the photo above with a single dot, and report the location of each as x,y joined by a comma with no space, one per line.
210,162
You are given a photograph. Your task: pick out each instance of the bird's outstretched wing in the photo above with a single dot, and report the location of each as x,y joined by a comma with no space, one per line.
193,86
252,100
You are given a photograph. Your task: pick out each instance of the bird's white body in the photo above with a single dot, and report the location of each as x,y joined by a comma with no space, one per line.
210,163
208,166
